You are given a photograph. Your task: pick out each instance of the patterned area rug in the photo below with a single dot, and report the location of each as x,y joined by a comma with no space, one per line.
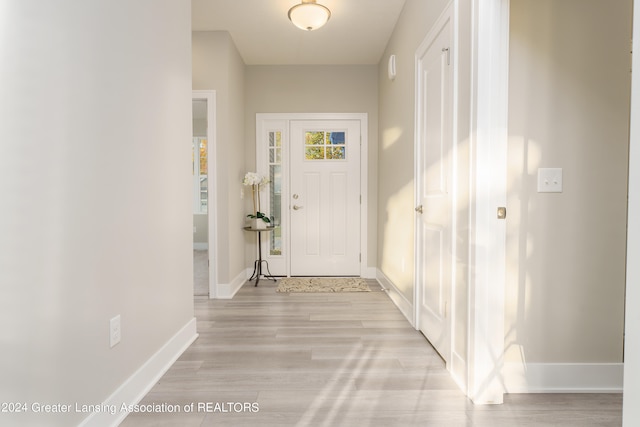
322,284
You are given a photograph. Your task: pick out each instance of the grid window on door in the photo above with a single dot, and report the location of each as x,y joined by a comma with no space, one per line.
324,145
275,191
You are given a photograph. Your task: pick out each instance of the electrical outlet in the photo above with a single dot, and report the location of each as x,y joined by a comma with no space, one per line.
114,331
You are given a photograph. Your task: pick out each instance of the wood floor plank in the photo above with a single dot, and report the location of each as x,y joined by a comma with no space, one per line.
340,359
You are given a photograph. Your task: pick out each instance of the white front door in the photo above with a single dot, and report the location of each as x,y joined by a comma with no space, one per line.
434,188
324,197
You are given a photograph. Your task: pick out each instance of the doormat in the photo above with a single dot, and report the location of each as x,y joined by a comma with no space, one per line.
322,284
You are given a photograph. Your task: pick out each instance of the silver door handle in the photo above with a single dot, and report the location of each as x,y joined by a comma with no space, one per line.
419,209
296,207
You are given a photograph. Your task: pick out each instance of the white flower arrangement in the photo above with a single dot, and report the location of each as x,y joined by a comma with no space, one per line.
255,180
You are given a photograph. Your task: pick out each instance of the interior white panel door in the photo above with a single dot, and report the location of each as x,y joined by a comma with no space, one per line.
325,197
434,192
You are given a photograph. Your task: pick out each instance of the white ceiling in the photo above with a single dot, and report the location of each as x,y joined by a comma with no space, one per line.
357,32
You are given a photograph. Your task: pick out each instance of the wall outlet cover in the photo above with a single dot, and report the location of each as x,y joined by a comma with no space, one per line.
550,180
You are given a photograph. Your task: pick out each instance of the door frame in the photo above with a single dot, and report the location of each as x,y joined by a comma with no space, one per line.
262,126
212,201
488,187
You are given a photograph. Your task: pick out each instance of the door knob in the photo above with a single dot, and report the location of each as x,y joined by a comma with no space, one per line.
419,209
296,207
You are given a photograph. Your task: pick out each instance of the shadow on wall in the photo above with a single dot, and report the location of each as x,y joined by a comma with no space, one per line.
524,160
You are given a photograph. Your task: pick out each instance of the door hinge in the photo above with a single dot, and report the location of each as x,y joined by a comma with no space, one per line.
360,257
448,51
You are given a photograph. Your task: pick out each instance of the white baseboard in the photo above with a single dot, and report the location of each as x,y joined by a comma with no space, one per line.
228,290
139,384
403,304
563,377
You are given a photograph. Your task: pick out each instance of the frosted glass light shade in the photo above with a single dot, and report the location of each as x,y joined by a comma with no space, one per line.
309,15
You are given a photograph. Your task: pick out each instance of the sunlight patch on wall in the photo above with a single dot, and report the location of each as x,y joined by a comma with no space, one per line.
524,156
390,136
398,240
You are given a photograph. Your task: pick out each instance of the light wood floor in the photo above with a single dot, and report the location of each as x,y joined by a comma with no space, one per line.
348,359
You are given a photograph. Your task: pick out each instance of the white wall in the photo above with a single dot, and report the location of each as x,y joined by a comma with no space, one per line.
396,148
95,185
568,108
631,408
217,65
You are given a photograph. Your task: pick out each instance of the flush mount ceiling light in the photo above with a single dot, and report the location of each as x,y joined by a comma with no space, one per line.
309,15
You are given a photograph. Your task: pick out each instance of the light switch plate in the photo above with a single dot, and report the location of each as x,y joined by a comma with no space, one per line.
550,180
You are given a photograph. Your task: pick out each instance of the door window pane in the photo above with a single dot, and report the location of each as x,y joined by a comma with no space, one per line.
335,153
275,191
325,145
314,153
